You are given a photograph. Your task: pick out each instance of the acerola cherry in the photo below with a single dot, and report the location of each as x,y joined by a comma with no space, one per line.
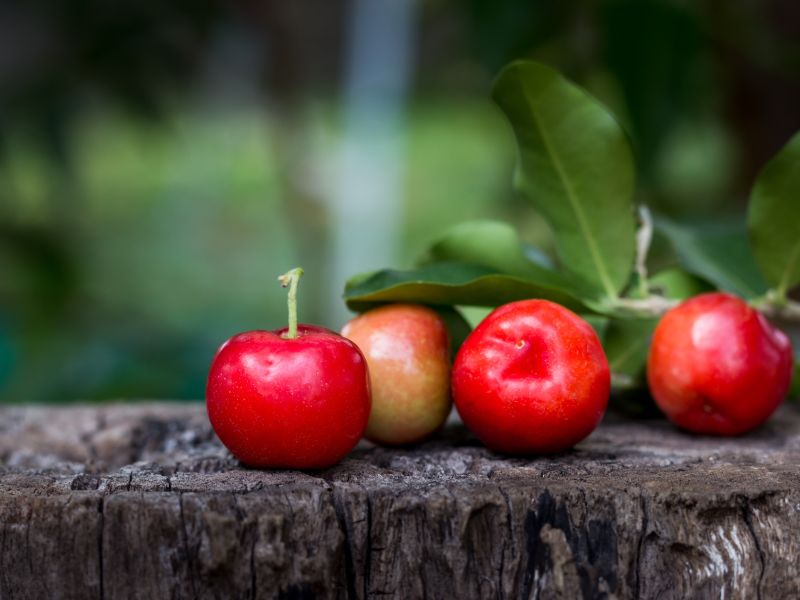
407,349
531,378
717,366
296,397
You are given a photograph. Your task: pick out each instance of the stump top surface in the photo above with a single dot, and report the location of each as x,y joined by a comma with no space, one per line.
170,446
142,501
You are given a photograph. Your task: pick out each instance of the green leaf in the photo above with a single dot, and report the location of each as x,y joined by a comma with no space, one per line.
626,342
457,326
598,322
678,285
575,165
449,284
475,314
491,244
773,218
716,251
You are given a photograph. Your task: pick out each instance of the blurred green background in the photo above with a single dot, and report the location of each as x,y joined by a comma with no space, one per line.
162,163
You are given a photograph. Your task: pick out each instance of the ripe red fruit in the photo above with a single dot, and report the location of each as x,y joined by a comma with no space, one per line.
717,366
296,397
531,378
408,352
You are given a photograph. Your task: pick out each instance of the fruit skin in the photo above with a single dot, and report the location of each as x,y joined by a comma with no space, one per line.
408,352
532,378
295,403
717,366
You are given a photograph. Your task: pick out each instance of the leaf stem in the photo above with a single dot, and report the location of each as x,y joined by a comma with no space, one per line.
651,306
770,304
644,235
777,306
291,279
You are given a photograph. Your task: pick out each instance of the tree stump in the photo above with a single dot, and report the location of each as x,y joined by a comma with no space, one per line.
142,501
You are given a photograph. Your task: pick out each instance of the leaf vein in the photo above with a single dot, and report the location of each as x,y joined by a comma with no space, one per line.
574,204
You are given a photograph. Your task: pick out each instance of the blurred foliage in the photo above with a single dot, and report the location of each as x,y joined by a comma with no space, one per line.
174,239
160,163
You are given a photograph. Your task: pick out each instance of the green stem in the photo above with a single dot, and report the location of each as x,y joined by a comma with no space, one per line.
777,306
644,235
651,306
291,280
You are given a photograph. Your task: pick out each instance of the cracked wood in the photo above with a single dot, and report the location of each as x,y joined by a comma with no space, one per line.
141,501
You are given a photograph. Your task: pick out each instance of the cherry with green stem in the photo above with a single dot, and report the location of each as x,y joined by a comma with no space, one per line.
267,390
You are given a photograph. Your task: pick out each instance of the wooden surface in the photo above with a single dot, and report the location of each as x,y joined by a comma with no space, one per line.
141,501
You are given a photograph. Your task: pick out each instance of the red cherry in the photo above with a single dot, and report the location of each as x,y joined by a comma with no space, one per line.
531,378
297,397
717,366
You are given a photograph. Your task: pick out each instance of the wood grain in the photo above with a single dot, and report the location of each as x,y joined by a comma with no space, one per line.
141,501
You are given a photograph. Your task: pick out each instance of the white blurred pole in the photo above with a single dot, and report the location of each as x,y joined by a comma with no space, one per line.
367,195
